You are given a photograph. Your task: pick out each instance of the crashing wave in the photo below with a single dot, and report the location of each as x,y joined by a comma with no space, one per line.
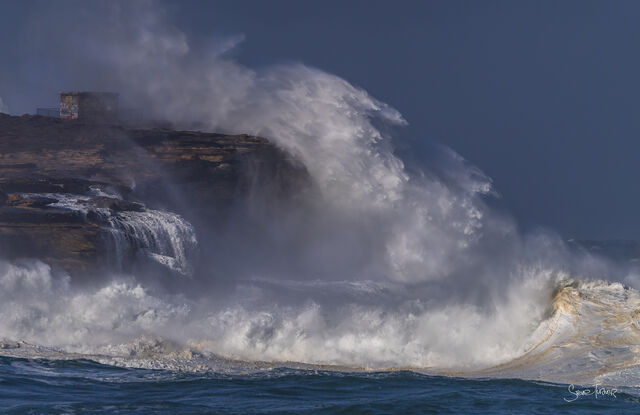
592,336
587,331
447,292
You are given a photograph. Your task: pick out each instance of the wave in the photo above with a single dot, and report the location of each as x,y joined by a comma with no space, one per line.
592,336
382,267
575,331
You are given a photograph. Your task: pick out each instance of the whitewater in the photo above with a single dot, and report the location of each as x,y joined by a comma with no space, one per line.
590,334
379,267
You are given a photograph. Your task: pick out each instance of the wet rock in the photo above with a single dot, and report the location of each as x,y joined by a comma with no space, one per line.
200,174
117,205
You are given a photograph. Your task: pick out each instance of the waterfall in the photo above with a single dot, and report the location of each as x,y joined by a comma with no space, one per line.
162,236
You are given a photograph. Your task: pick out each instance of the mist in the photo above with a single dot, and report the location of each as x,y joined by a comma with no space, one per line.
372,264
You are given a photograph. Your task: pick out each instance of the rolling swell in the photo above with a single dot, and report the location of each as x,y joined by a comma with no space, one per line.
82,386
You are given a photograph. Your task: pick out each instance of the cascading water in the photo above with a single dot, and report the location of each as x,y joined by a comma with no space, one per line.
164,237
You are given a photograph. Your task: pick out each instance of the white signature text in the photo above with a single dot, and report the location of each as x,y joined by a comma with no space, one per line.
596,391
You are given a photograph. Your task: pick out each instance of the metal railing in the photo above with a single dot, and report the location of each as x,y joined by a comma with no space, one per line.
124,114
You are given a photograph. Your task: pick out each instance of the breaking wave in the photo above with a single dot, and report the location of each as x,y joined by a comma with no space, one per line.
43,309
393,268
560,330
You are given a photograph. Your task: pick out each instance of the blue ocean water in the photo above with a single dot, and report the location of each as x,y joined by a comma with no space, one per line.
37,386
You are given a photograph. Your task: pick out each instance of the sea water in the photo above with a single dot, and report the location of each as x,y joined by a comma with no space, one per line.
42,386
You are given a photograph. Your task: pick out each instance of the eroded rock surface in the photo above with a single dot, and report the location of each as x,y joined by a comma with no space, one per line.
44,161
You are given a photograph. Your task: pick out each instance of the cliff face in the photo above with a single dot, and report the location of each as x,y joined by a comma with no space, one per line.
44,159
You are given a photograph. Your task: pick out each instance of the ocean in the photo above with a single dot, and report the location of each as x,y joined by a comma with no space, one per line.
123,349
315,271
41,386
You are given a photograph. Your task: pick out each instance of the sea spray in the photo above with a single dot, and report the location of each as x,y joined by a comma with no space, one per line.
44,309
382,267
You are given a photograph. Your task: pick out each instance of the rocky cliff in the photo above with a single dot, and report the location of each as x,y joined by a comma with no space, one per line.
63,183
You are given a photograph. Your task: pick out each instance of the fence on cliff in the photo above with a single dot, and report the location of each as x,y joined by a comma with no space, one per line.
124,114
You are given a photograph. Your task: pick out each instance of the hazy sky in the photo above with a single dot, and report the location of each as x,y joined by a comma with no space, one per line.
541,95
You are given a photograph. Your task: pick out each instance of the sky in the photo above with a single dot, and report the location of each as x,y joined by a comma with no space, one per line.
540,95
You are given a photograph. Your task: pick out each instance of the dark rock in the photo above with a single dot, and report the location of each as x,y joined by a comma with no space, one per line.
193,173
34,201
117,205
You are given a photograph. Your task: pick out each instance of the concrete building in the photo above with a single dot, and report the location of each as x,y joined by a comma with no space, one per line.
89,106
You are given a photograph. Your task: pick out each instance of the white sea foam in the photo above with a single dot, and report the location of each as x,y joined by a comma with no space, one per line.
589,332
417,270
43,309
